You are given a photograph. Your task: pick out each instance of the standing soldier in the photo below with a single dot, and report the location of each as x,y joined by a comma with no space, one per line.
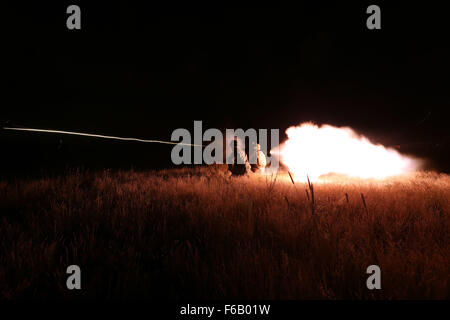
238,162
261,161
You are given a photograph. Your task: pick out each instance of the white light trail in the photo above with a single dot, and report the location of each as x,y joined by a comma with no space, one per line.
100,136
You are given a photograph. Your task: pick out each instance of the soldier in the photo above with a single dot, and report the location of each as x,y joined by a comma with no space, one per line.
261,162
238,162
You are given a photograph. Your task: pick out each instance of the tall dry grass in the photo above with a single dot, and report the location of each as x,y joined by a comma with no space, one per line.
196,233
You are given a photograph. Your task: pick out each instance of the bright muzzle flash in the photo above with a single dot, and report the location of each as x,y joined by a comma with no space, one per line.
312,151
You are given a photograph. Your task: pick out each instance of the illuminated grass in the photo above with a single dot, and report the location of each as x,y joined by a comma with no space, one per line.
196,233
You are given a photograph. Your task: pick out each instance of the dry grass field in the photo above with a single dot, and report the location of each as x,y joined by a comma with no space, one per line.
196,233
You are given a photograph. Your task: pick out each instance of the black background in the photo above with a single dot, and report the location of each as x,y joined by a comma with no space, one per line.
144,70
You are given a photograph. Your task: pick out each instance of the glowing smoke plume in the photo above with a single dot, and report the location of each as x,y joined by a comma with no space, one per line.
314,151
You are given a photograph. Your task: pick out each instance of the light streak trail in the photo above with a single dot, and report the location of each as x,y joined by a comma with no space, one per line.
100,136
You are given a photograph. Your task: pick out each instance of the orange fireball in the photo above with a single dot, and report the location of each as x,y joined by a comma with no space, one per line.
313,150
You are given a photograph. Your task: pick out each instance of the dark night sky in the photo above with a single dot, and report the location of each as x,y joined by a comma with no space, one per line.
136,70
